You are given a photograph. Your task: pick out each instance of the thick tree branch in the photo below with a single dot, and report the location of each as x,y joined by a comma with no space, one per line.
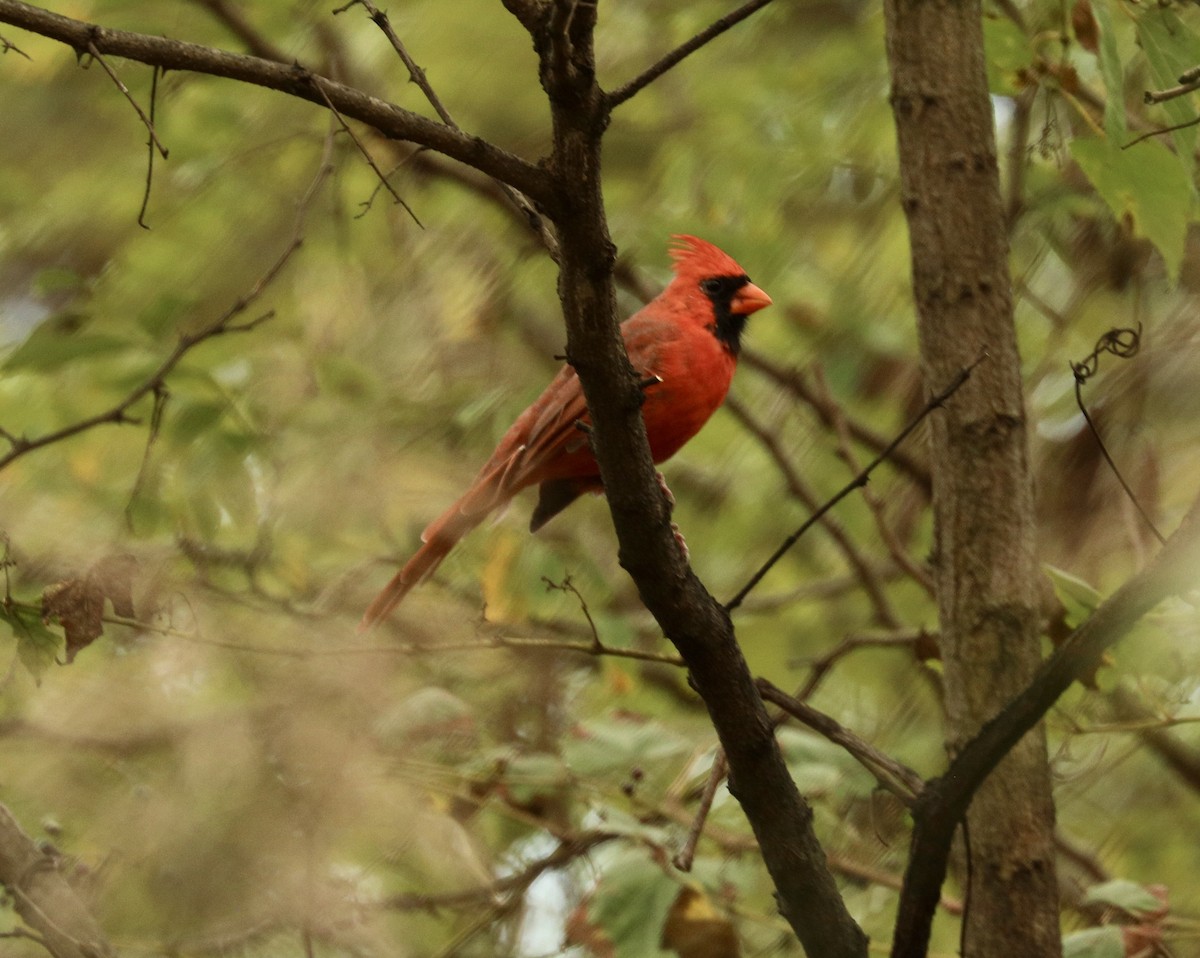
390,120
695,623
941,806
44,899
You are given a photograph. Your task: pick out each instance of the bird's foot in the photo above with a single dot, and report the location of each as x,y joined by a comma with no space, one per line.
666,491
682,542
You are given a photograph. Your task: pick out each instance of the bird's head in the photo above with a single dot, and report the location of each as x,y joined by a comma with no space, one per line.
716,287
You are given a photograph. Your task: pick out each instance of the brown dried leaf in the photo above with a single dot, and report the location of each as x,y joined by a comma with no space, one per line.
78,604
1083,22
1145,939
695,929
582,932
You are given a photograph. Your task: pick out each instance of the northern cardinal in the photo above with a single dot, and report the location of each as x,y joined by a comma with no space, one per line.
684,346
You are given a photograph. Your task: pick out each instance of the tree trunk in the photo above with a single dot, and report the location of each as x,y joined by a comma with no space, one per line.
983,504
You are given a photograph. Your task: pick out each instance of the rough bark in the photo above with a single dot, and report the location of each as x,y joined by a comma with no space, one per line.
982,491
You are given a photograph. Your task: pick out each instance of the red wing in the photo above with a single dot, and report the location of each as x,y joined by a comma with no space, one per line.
545,442
555,446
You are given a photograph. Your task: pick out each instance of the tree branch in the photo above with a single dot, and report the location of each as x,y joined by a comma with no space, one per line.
885,615
945,800
390,120
794,381
857,482
892,775
691,619
44,899
705,36
528,213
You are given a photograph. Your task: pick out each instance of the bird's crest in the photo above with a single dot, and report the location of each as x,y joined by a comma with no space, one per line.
697,259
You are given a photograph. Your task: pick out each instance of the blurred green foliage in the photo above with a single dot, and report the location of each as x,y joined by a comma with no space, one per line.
242,773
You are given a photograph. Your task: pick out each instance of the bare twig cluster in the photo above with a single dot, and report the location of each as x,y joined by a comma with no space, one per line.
156,383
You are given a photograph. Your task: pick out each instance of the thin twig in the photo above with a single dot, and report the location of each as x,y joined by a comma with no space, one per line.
885,615
1171,93
7,46
820,667
648,76
795,382
858,481
895,548
716,775
95,55
568,586
363,150
381,20
1166,129
892,775
241,28
161,395
493,642
568,851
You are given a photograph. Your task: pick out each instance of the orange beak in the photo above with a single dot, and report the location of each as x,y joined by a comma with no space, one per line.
749,299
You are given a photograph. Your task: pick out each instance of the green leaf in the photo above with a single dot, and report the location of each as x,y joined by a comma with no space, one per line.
168,311
631,904
1171,47
57,279
37,645
1145,183
1094,943
1110,70
50,347
605,746
1078,597
1129,896
188,422
1008,51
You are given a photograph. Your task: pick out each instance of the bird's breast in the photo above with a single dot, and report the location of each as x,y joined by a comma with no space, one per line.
694,383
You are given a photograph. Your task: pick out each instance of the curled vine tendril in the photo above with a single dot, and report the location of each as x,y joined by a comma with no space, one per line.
1124,343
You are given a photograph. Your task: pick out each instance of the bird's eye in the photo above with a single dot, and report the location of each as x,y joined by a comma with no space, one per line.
711,286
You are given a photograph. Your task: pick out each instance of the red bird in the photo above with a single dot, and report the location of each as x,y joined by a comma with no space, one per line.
687,339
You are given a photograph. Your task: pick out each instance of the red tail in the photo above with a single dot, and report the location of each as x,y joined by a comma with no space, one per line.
492,488
439,538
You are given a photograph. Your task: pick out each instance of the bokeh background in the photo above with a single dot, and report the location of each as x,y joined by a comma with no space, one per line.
233,770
